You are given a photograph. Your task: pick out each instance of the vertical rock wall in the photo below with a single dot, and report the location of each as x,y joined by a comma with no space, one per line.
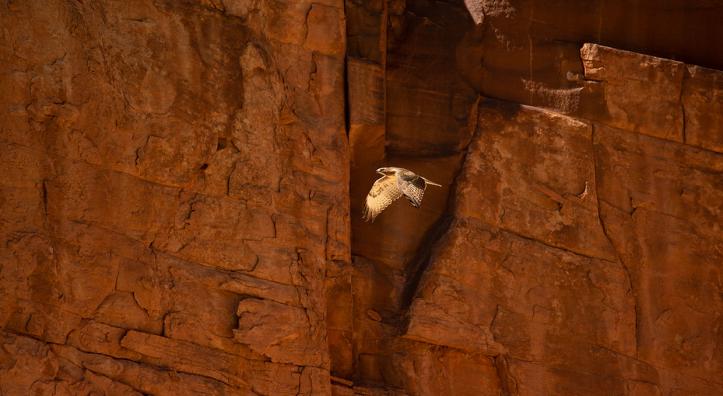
580,236
180,204
174,190
585,257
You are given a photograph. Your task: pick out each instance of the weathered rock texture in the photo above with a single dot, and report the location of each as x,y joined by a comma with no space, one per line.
592,269
180,204
580,249
526,51
174,191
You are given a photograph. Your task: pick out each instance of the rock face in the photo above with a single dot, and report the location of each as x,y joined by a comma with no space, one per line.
579,235
571,268
172,197
183,182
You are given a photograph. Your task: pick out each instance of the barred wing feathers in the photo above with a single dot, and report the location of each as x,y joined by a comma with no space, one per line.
413,189
384,191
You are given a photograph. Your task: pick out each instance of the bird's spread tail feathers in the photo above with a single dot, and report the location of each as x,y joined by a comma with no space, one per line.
432,183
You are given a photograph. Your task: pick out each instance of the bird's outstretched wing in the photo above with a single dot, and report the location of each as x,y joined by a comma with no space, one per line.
384,191
413,188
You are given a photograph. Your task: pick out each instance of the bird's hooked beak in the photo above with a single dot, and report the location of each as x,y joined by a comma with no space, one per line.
382,171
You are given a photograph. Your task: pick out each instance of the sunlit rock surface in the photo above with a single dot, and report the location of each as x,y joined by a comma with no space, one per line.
182,186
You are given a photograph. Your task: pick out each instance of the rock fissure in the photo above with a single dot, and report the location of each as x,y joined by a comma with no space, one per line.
612,245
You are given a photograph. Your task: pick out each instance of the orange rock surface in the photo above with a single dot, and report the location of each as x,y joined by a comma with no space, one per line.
182,186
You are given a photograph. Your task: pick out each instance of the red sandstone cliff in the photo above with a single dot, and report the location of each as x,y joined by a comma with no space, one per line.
182,184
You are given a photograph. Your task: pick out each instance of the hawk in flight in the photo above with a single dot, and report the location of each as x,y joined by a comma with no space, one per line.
394,183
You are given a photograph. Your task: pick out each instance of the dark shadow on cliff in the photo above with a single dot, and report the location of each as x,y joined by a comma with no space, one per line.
417,267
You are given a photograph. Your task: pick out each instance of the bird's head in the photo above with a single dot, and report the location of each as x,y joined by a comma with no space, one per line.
386,171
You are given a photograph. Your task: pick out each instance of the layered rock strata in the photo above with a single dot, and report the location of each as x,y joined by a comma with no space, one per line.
183,182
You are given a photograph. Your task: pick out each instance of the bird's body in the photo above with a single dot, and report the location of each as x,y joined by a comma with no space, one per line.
394,183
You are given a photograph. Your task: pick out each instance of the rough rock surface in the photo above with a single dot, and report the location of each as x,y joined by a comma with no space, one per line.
572,271
171,196
526,51
180,204
541,271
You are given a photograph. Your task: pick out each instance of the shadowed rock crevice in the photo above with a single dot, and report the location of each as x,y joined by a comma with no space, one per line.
508,385
416,267
412,111
422,258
